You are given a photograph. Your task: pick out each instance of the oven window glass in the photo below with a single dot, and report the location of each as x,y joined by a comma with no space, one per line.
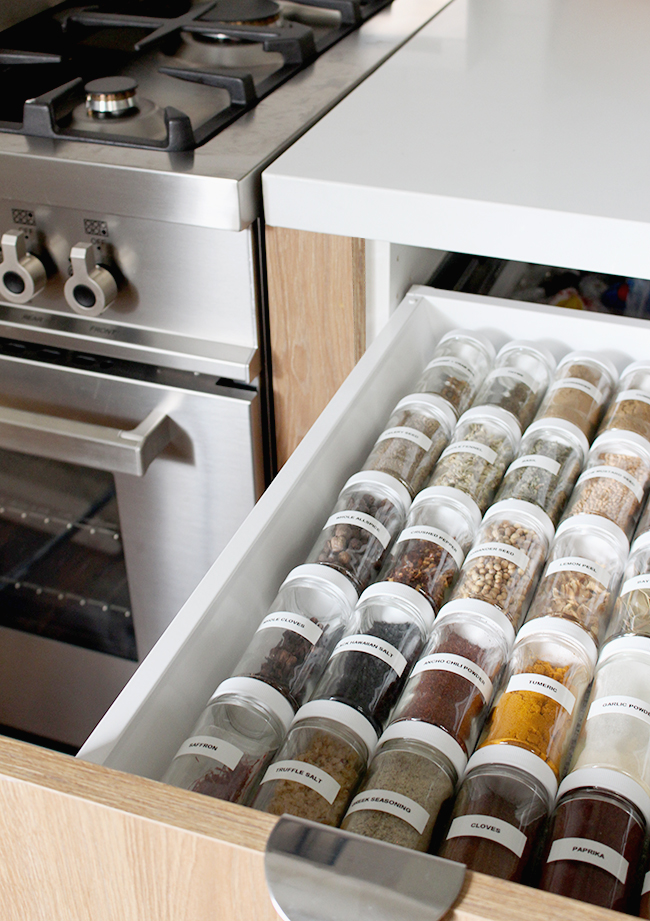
62,571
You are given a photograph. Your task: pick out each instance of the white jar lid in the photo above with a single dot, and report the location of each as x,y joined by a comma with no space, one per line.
641,542
488,413
368,477
536,348
483,609
596,523
471,336
340,713
513,756
403,592
440,407
643,365
559,626
611,781
325,574
430,735
596,357
624,644
455,496
259,691
520,509
551,422
623,438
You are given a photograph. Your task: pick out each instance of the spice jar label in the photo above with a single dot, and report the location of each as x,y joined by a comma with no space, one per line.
363,521
593,852
394,804
454,364
361,642
578,383
209,747
408,434
535,460
434,536
514,373
540,684
613,473
503,551
441,661
487,826
633,395
471,447
306,774
636,584
630,706
646,883
578,564
296,623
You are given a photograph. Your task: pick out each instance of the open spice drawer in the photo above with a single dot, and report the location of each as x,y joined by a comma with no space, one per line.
98,837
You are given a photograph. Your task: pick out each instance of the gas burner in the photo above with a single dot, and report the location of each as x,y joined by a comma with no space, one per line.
111,97
243,12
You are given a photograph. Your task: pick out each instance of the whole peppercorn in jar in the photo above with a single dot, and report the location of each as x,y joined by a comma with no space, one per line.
632,608
630,407
459,364
580,390
429,552
507,558
369,513
522,371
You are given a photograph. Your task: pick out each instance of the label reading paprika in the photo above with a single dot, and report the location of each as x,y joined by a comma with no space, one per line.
487,826
592,852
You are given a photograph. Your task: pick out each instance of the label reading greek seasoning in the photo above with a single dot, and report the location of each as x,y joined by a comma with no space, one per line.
535,460
577,383
296,623
619,704
442,661
646,883
578,564
486,826
540,684
503,551
407,434
361,520
613,473
633,395
516,374
593,852
471,447
434,536
636,584
361,642
305,774
394,804
455,364
209,747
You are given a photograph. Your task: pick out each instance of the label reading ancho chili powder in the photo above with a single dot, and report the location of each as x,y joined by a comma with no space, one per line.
408,434
361,642
471,447
361,520
441,661
487,826
593,852
296,623
209,747
306,774
541,684
394,804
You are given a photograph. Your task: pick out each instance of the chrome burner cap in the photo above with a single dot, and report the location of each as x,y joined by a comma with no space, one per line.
111,97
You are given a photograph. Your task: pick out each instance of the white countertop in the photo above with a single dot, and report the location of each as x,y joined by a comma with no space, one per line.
510,128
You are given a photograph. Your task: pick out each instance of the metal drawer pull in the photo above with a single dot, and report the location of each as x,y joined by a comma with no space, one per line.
317,873
98,446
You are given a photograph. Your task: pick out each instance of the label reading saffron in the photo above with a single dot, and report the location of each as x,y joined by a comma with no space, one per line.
393,804
296,623
209,747
305,774
486,826
592,852
474,448
361,642
363,521
407,434
442,661
435,536
540,684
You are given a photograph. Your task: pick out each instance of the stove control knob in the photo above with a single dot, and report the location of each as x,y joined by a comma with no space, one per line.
22,275
91,288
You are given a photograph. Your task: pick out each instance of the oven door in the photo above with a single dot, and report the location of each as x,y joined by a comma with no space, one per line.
116,495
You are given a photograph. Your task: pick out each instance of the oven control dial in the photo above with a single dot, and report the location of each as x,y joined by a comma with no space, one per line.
22,275
91,288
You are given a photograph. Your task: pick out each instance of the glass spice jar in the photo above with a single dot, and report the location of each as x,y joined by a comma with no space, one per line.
500,811
369,513
582,574
632,608
550,668
507,558
595,840
412,775
459,365
630,407
482,446
451,685
644,521
320,764
418,430
644,905
232,742
522,371
369,666
580,390
615,480
429,552
306,620
549,460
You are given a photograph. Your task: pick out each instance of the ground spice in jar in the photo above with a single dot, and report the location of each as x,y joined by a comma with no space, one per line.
577,396
630,411
505,388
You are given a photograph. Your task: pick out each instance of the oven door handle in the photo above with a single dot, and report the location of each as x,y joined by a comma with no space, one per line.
98,446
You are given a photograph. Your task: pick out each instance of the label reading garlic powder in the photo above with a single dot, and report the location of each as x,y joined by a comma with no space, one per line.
393,804
486,826
434,536
407,434
540,684
620,705
593,852
361,642
363,521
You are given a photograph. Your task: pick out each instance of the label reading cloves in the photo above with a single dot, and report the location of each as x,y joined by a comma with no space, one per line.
487,826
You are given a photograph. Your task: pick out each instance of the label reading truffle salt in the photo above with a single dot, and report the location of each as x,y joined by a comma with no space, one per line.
536,460
619,704
471,447
296,623
434,536
638,395
209,747
646,883
578,383
593,852
613,473
361,642
636,584
407,434
306,774
503,551
446,662
486,826
455,364
393,804
361,520
578,564
540,684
